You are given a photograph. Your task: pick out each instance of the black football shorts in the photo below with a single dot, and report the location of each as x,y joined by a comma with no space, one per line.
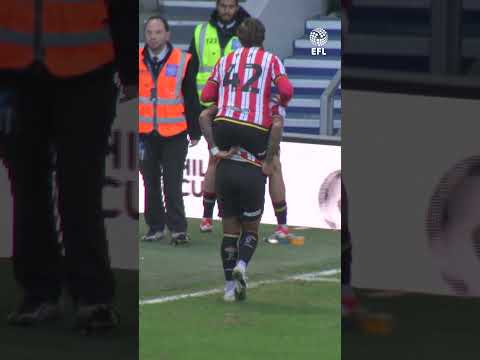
240,190
228,134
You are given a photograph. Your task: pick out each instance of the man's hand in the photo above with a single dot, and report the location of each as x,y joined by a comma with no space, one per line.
268,168
226,154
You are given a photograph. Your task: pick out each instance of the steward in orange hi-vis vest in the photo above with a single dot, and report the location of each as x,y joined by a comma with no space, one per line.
161,102
69,37
168,112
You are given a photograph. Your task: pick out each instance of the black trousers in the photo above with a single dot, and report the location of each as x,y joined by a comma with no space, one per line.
71,119
162,161
346,240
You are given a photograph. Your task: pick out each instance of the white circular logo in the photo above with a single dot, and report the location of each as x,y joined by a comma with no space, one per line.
319,37
329,200
453,227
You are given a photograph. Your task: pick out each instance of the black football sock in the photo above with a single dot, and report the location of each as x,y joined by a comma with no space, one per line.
280,209
229,254
247,245
208,204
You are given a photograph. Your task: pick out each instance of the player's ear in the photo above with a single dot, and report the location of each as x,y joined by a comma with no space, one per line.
168,35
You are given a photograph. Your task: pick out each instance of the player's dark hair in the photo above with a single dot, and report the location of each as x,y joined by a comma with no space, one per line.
251,32
236,2
157,17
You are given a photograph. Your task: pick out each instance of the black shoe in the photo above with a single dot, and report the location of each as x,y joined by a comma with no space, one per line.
154,235
99,318
181,239
32,312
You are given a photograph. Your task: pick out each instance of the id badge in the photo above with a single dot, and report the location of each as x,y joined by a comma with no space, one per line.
171,70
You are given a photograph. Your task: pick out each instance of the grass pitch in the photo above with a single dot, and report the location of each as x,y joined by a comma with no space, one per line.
283,319
58,340
424,327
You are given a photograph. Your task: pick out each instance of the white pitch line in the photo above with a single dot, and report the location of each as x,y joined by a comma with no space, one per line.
300,228
315,274
321,276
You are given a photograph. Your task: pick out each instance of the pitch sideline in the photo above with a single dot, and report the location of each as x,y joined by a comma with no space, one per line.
319,276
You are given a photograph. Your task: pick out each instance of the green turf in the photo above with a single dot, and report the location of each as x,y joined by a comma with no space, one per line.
293,321
58,340
167,270
288,320
425,327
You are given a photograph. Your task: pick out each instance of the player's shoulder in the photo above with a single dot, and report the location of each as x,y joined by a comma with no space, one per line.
270,54
275,58
239,51
227,57
234,54
264,57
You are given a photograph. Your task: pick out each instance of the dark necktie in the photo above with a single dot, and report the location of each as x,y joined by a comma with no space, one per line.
155,63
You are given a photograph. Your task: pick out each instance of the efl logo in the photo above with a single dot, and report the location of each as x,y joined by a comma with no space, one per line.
319,38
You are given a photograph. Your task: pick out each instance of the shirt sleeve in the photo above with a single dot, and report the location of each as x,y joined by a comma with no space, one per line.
284,86
285,90
278,69
192,106
123,28
215,75
210,91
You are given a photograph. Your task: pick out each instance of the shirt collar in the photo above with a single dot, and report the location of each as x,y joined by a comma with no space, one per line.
226,26
160,56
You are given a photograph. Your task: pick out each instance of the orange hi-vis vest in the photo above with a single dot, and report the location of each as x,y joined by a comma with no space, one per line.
70,38
161,105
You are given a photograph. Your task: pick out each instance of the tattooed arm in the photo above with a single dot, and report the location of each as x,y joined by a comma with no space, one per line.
273,147
206,119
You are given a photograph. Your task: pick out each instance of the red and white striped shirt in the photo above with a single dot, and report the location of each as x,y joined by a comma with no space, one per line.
241,84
